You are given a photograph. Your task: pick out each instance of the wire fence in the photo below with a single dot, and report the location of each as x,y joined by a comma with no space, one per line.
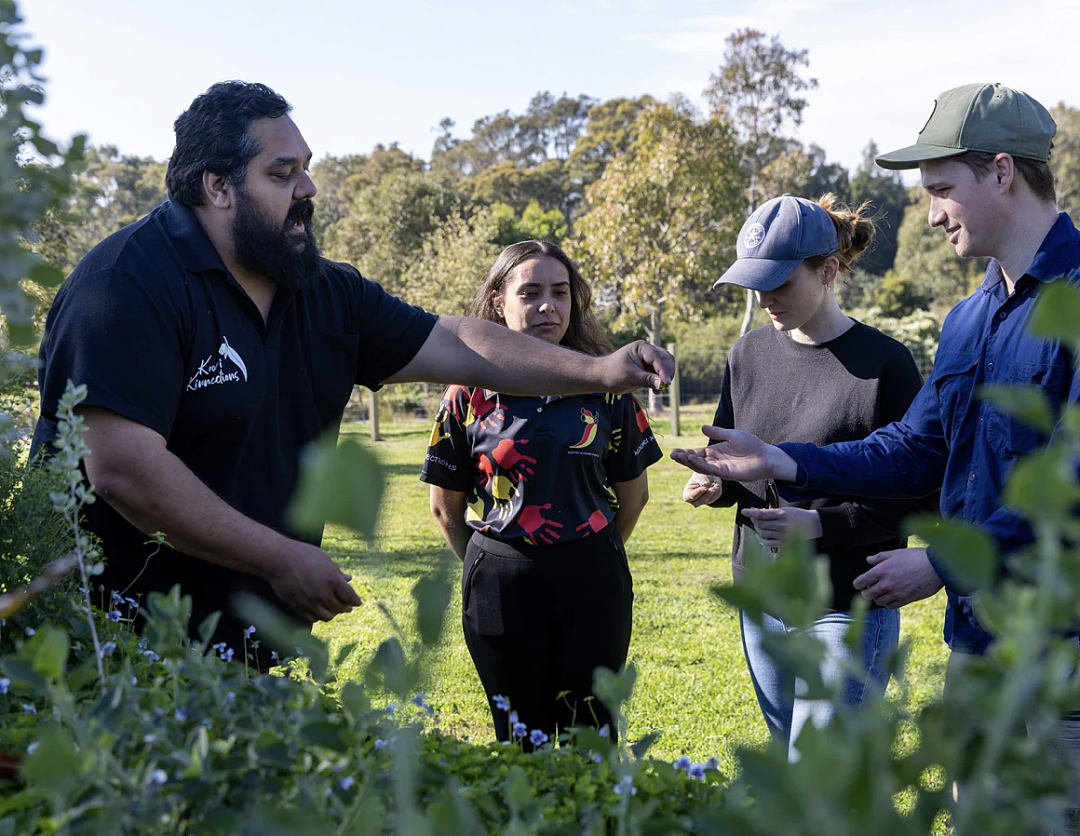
700,374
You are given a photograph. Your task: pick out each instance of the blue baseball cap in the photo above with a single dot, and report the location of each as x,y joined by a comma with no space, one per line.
776,239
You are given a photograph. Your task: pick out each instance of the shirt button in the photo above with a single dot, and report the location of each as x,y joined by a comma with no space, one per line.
989,367
539,409
1002,315
972,477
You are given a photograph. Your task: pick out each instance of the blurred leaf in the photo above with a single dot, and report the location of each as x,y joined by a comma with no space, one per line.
1025,403
432,593
1043,485
640,747
1056,313
968,553
340,484
355,700
343,653
388,669
54,763
614,689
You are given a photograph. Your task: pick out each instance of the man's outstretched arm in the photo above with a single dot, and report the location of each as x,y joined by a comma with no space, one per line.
130,467
476,352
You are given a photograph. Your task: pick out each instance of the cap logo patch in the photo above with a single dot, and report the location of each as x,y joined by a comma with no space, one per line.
755,234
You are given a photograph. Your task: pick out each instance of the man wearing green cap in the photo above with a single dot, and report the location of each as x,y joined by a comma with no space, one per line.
983,155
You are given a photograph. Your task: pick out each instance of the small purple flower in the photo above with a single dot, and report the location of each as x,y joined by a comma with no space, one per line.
273,656
380,745
4,683
228,654
149,654
712,763
347,782
249,632
134,681
501,702
537,737
391,708
595,757
115,597
604,731
625,786
418,700
158,776
520,730
107,649
32,748
682,763
28,709
115,615
513,718
230,698
131,602
30,631
181,714
697,771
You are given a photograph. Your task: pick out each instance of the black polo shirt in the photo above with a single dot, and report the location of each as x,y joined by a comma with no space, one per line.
538,468
159,331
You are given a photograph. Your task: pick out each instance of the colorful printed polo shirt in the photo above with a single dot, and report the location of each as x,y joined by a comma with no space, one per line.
538,468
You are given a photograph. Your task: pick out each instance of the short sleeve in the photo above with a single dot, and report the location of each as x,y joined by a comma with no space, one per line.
391,332
448,462
122,336
635,446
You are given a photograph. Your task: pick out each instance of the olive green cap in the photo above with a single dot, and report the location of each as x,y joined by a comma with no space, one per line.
990,118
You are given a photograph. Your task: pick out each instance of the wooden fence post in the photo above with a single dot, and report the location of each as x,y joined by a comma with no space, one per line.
373,413
673,392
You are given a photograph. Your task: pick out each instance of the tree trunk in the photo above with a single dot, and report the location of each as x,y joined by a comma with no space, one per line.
748,314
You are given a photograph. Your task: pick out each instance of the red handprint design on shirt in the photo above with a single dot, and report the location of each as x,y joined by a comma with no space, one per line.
642,420
596,523
484,410
536,526
515,463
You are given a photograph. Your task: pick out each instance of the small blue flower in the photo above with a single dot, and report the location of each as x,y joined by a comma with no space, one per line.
501,702
249,632
347,782
159,777
626,785
143,644
513,718
115,597
712,763
520,730
697,771
134,681
228,654
682,763
30,631
107,649
32,748
181,714
391,708
230,698
4,683
131,602
149,654
379,745
595,757
273,656
537,737
604,731
115,615
418,700
28,709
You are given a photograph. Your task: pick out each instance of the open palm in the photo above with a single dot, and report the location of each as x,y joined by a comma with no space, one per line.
737,456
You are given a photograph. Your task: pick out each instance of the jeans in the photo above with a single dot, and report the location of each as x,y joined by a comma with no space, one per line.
778,693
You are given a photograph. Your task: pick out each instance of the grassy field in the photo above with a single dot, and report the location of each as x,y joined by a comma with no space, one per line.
692,687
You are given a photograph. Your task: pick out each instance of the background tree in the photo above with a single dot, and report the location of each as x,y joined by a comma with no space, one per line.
1065,159
756,91
661,223
888,197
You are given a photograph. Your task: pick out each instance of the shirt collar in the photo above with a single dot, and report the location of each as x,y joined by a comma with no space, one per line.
1058,255
192,242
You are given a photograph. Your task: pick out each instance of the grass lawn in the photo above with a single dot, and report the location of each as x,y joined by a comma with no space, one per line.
692,686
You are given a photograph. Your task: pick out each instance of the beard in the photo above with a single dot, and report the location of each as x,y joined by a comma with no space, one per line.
262,247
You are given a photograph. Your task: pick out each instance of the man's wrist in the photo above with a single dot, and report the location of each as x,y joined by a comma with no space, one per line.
782,465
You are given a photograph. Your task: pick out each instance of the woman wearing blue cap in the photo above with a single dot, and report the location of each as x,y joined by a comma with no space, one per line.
814,375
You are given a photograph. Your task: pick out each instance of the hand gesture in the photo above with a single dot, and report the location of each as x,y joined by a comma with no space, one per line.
702,490
311,584
637,365
776,526
739,457
898,577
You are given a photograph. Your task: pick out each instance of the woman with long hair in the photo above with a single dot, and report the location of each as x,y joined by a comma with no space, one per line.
816,375
537,497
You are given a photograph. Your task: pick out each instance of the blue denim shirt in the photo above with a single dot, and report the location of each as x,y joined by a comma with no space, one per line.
951,439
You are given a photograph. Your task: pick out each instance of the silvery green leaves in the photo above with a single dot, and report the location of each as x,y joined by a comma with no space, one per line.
339,483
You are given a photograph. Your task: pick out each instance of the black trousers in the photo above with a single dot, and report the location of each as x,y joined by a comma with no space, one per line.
538,621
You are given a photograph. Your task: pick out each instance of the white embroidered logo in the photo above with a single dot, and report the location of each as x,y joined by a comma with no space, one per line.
755,234
211,373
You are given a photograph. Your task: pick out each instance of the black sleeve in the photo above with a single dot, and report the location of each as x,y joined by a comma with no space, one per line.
391,332
635,446
868,521
121,335
448,462
725,417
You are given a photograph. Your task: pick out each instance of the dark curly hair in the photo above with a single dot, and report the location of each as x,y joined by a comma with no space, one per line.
212,135
584,333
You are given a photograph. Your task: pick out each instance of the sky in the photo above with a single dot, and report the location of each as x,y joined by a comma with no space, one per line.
362,73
